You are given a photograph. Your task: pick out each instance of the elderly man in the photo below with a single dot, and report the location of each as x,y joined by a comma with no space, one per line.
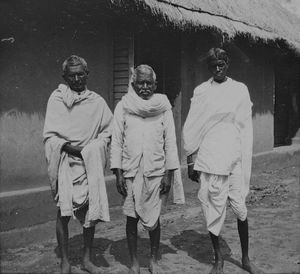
76,136
218,140
143,158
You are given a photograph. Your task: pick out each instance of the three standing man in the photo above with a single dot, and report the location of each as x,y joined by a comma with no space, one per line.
217,138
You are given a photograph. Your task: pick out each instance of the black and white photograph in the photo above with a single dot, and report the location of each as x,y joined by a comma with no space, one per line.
150,136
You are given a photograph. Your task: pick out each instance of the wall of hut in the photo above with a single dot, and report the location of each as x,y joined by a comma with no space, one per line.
43,34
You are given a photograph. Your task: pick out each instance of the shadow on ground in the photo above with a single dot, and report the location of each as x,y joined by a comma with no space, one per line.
120,252
198,246
118,249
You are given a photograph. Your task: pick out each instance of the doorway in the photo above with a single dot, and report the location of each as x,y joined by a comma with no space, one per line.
161,51
286,109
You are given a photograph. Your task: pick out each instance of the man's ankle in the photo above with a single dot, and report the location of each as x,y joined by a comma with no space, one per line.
218,256
245,259
154,257
219,262
86,258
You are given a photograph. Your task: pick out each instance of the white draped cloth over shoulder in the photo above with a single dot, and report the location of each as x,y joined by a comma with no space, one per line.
81,120
218,131
218,128
134,104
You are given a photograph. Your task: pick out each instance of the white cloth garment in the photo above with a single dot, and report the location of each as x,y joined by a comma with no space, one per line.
135,135
81,120
143,199
215,191
218,129
153,138
144,145
135,105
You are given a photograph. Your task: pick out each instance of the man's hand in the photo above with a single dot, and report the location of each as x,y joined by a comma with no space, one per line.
120,182
166,181
193,174
73,150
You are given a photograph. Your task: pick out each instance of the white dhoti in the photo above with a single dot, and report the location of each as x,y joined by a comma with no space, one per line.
143,199
214,193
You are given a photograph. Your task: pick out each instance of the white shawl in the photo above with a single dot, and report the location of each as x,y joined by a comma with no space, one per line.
155,105
81,120
219,128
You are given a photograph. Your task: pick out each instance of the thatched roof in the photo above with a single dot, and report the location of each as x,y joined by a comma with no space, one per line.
261,19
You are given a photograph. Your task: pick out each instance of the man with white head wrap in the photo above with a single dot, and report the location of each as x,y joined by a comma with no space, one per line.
144,158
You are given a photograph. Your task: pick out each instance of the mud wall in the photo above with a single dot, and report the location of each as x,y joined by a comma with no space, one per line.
37,37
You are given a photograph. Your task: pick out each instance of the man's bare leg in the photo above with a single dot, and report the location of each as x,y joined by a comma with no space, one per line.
244,239
131,233
219,262
62,235
154,243
88,237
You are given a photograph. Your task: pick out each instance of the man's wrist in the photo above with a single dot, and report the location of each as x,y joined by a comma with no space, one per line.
118,172
190,160
65,146
169,176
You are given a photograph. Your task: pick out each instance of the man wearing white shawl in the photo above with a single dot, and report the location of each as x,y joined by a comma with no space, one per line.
144,158
217,138
76,135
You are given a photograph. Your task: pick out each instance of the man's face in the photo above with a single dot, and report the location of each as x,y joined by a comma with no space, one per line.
218,69
76,77
144,85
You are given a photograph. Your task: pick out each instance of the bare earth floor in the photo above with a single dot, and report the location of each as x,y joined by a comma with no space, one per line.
273,212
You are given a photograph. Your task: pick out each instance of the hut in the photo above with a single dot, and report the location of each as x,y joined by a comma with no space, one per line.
173,36
261,36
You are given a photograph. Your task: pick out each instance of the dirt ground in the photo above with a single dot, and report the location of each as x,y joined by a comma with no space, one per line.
273,212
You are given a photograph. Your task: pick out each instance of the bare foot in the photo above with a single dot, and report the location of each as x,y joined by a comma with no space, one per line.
153,266
134,269
217,268
65,267
251,268
91,268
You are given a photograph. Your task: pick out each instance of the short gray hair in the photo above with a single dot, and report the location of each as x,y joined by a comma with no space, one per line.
142,68
74,60
217,54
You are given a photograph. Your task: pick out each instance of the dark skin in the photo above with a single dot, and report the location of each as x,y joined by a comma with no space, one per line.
194,175
144,84
144,87
73,150
76,78
165,184
218,68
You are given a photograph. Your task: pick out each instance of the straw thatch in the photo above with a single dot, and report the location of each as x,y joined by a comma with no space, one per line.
261,19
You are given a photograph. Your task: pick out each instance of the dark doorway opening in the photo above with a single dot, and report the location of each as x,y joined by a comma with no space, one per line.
161,51
287,104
